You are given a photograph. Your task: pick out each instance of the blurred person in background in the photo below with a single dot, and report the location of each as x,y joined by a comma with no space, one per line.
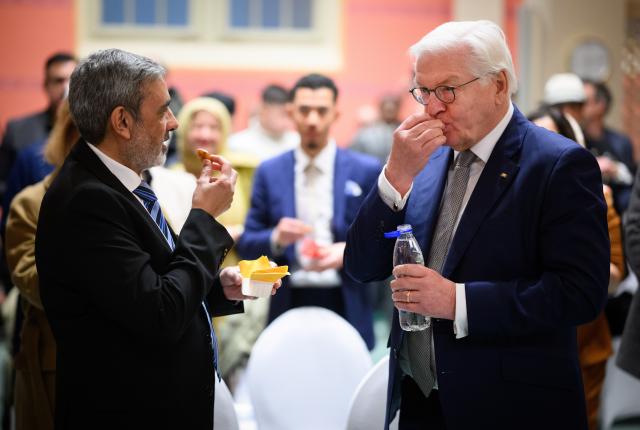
565,92
35,361
302,204
628,357
226,99
205,123
612,149
594,338
376,139
35,127
271,133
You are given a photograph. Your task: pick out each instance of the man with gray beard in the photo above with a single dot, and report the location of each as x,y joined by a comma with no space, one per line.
130,302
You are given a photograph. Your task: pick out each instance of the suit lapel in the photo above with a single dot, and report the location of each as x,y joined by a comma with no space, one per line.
286,184
90,160
340,175
497,175
424,201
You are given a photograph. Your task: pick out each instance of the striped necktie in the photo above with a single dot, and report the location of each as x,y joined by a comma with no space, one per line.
152,205
150,201
421,357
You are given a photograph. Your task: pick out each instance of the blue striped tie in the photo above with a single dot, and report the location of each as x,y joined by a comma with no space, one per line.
150,202
152,205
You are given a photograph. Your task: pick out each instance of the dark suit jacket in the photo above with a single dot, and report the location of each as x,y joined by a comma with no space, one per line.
618,147
532,249
273,198
134,347
630,344
19,134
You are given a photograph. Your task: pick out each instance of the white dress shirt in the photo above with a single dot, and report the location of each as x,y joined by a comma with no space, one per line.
313,186
392,198
128,177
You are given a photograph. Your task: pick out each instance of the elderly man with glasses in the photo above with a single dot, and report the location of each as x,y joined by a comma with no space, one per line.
512,222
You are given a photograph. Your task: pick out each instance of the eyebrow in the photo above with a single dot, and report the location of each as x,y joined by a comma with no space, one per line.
164,106
448,83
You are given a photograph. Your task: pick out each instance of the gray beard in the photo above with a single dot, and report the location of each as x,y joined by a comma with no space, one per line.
142,155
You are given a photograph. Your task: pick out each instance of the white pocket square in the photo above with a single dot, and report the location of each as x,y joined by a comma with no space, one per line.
352,188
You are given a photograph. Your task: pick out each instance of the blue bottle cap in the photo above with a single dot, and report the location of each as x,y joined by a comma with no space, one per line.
395,233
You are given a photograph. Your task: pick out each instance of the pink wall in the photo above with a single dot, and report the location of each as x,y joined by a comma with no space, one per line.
377,34
30,31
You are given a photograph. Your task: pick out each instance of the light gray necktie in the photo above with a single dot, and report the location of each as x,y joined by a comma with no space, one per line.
309,197
419,343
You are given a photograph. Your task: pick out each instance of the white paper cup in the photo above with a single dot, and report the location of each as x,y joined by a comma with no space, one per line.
256,288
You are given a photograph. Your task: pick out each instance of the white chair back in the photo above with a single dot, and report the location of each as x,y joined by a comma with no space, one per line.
369,402
621,393
224,413
304,369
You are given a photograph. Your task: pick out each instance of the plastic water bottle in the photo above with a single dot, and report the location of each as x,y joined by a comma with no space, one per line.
407,251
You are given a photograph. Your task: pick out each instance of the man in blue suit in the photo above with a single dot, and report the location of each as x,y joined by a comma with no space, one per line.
302,204
518,261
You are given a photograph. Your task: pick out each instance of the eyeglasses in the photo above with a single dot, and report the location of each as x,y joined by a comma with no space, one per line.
444,93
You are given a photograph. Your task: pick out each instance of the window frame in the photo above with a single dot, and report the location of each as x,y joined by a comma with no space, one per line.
211,43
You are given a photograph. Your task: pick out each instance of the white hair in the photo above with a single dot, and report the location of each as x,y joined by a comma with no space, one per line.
485,40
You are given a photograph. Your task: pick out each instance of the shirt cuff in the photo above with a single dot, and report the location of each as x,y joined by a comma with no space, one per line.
276,249
389,195
461,323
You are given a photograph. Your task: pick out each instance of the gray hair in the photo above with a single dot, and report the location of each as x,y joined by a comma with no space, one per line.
105,80
486,41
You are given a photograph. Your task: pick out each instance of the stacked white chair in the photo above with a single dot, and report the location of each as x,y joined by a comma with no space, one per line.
369,402
304,369
620,395
224,413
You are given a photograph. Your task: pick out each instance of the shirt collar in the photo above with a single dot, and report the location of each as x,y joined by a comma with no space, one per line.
484,147
323,161
128,177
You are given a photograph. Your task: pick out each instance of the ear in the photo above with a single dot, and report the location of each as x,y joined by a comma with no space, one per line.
121,122
502,86
289,108
336,115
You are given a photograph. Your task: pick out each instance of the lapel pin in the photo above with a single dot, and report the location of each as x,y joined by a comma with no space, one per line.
503,175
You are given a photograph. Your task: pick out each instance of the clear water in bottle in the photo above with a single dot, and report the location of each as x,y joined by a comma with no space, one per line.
407,251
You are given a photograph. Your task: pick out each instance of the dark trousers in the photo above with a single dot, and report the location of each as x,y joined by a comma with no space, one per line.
328,298
418,412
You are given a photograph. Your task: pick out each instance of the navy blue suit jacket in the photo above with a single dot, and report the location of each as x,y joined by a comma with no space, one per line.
532,249
273,198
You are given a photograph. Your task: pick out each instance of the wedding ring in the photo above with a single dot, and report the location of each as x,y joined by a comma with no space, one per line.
408,296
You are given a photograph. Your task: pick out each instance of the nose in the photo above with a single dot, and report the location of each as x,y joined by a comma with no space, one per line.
313,118
434,106
172,124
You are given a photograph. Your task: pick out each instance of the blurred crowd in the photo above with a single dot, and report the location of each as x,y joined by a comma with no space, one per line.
297,192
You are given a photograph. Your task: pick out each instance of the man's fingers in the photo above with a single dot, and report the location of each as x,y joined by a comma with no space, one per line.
413,120
205,173
415,270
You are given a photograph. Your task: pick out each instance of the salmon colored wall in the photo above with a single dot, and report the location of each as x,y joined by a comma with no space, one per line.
30,31
376,37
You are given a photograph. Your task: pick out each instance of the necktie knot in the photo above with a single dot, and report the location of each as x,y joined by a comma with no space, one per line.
465,159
